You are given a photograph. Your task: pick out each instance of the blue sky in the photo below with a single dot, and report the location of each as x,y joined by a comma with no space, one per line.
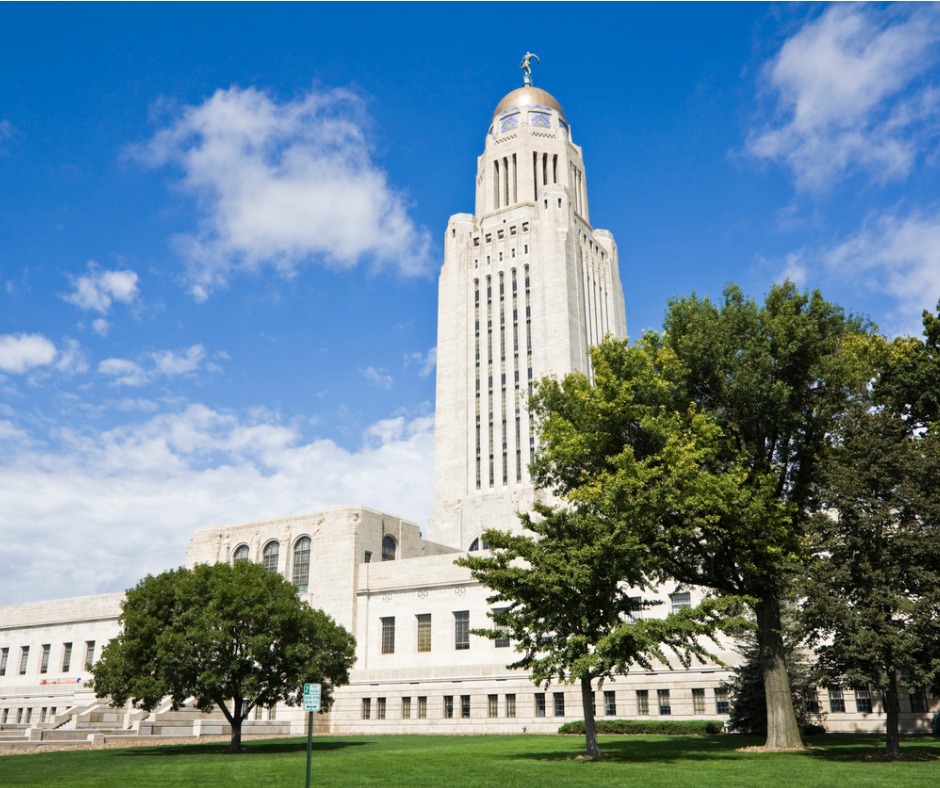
220,230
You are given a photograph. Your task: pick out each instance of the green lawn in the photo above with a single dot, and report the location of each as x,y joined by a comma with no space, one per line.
480,761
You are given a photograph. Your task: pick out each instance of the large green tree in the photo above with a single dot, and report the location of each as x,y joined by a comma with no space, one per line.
230,636
872,596
568,593
716,426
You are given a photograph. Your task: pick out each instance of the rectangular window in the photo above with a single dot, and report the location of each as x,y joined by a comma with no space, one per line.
366,708
24,659
510,705
4,658
29,715
406,708
272,712
44,664
388,635
836,700
448,707
465,706
680,600
492,706
810,700
502,641
66,657
5,717
89,654
19,716
424,631
698,701
380,709
258,712
665,708
863,700
462,630
539,704
918,701
722,705
642,702
422,707
610,703
368,558
559,698
42,714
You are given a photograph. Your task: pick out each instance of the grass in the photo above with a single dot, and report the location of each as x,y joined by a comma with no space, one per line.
482,761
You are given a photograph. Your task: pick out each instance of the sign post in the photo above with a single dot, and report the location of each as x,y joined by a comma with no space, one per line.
311,705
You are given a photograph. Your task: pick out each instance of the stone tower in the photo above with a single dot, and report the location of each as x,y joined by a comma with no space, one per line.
527,286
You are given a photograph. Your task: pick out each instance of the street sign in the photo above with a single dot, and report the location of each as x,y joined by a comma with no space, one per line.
312,697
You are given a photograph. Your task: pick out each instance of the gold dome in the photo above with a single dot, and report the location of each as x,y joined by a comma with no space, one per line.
528,96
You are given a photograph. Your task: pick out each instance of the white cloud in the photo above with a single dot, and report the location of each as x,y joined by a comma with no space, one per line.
165,363
378,377
898,256
101,327
169,363
280,184
849,95
426,362
71,358
129,498
20,352
99,288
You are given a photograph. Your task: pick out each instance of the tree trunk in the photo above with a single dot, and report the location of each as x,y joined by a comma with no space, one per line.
892,710
235,718
782,730
590,730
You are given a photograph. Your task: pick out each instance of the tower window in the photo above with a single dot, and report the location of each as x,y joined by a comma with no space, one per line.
389,548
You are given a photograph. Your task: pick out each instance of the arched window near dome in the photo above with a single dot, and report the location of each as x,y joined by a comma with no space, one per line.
301,567
269,556
478,544
389,548
240,554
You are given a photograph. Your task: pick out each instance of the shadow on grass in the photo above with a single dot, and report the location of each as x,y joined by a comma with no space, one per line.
276,747
666,750
854,748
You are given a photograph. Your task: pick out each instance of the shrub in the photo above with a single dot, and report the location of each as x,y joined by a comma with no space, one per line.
935,725
648,727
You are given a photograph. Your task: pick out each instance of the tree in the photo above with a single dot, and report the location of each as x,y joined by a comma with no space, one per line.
222,634
873,593
736,403
749,703
570,586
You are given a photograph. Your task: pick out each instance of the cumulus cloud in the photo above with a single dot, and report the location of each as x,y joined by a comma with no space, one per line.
283,183
99,288
101,327
426,362
378,377
163,363
896,255
850,94
22,352
130,497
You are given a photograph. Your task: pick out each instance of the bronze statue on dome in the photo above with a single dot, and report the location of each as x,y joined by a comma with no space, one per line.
527,68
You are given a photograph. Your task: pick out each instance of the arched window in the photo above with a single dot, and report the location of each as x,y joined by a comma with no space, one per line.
478,544
269,556
240,554
389,548
301,572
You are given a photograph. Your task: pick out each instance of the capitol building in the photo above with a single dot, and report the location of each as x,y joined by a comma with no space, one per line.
526,287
